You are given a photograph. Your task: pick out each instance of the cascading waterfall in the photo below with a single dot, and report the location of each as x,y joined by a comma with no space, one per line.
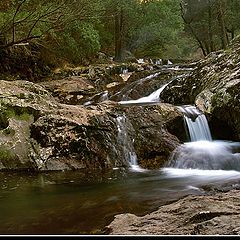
127,143
127,89
196,123
202,152
152,98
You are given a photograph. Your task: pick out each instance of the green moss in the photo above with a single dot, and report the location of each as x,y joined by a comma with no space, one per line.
24,116
9,131
6,154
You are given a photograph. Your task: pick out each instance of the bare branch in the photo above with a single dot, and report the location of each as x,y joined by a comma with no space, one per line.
13,20
24,40
42,16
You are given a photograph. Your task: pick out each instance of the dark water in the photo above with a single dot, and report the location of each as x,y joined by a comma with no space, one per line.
79,203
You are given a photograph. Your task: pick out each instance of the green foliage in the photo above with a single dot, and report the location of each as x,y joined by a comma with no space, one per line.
24,116
159,27
77,29
212,23
79,41
6,154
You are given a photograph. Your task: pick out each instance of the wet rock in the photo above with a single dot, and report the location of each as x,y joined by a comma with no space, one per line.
143,83
38,133
217,214
153,141
214,88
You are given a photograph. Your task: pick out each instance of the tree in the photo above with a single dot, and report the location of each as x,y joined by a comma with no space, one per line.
25,20
67,27
159,27
212,22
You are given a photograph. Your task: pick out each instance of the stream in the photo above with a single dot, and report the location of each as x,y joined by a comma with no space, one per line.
72,203
83,203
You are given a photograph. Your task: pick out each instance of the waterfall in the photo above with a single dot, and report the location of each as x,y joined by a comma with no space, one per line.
127,144
202,152
130,87
152,98
104,96
196,123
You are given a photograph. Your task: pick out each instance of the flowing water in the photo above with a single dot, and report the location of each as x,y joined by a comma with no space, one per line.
131,86
203,153
76,202
196,123
152,98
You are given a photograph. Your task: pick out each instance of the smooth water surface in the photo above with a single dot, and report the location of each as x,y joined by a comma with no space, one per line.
71,203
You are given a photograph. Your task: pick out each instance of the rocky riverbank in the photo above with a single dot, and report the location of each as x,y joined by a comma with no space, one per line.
213,86
69,123
217,214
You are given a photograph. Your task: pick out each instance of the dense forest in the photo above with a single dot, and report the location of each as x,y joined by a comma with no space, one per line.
56,32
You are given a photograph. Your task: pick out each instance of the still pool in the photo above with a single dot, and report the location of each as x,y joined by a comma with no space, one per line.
84,203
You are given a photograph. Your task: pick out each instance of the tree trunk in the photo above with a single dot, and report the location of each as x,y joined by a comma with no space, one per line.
118,35
192,31
222,24
210,29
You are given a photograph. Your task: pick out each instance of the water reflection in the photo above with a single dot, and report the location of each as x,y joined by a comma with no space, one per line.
71,203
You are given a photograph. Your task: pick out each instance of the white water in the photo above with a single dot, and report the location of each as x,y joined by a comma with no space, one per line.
123,70
104,96
152,98
201,175
196,123
206,155
127,144
203,157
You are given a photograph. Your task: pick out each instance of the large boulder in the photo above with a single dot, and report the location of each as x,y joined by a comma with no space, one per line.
38,133
154,135
214,88
193,215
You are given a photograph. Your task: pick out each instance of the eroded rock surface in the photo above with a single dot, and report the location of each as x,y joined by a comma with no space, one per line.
193,215
39,133
214,88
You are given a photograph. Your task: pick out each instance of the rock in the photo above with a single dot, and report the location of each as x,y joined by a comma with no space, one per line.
143,83
214,88
193,215
38,133
153,141
72,90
